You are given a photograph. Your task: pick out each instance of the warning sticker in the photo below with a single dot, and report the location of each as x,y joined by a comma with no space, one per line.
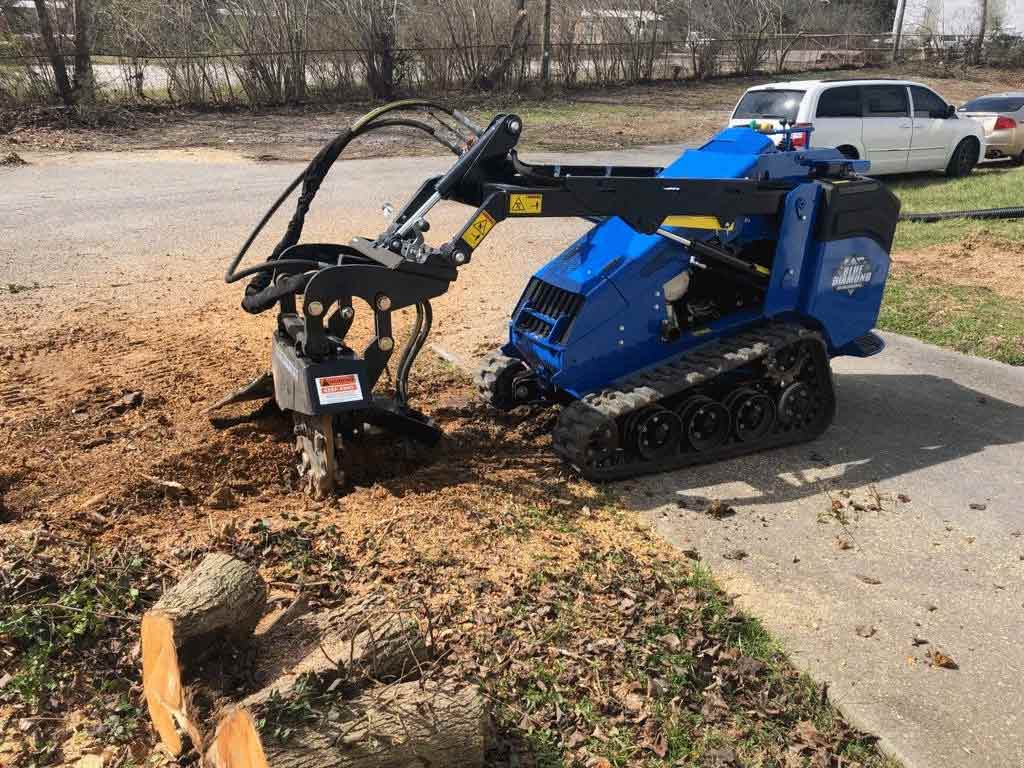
478,230
525,205
339,389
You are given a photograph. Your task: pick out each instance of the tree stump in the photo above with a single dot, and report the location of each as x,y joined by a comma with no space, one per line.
397,726
222,599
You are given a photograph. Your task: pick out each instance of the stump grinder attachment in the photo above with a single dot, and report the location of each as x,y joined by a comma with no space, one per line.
693,322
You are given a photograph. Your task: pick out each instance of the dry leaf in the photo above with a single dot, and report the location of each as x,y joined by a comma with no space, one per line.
938,658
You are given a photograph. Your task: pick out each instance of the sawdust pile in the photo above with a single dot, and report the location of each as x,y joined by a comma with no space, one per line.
595,642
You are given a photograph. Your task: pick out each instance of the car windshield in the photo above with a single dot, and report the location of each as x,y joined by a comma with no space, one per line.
994,104
773,104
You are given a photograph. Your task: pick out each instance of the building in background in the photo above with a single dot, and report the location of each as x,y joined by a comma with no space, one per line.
961,17
610,25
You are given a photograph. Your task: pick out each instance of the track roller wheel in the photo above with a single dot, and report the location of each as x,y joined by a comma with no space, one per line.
705,422
654,432
796,404
753,414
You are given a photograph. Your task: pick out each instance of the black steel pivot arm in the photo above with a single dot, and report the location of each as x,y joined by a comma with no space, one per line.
490,177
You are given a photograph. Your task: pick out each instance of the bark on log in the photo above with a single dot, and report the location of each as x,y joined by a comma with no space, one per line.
363,640
222,599
398,726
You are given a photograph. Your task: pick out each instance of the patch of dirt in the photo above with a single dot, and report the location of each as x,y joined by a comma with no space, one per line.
594,640
986,262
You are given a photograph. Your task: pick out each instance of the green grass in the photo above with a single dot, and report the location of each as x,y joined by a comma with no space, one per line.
545,683
968,319
991,186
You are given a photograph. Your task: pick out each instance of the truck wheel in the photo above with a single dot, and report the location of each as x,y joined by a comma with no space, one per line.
964,158
850,153
1018,160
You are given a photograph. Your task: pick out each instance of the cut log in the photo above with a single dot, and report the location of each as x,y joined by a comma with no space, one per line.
398,726
221,600
363,640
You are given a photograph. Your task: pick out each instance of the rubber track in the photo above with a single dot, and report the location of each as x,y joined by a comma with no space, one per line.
585,417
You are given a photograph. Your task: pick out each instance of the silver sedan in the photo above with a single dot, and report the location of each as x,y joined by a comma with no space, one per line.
1002,117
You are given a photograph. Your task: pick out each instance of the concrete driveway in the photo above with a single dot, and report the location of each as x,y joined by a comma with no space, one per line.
936,438
925,457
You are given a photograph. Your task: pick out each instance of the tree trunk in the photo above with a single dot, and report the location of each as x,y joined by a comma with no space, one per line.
898,37
85,83
979,46
222,599
545,57
520,33
60,70
359,641
408,724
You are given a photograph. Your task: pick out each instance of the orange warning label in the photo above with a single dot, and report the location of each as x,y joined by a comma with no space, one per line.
339,389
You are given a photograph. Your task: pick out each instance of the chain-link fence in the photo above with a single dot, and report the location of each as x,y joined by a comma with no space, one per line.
312,75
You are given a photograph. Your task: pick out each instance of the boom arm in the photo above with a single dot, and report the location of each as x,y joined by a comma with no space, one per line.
491,177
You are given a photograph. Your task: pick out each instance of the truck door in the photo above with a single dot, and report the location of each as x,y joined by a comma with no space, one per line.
888,127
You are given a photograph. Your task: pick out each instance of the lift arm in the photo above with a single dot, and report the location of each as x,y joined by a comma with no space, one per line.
490,177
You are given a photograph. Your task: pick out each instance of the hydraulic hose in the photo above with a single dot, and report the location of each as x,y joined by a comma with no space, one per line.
258,292
1016,212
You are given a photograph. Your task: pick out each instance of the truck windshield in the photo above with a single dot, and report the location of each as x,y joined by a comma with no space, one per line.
769,104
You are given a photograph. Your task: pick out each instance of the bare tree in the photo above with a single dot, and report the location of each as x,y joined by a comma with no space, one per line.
372,28
272,36
505,55
743,25
53,53
979,46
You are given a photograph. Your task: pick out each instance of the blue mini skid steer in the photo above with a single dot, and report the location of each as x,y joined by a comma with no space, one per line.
694,321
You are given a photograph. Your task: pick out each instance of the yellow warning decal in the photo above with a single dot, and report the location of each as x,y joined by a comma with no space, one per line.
478,230
695,222
525,204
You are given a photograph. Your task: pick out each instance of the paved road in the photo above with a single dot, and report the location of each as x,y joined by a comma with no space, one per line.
943,430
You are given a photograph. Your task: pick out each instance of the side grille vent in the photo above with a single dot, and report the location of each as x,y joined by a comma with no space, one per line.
547,310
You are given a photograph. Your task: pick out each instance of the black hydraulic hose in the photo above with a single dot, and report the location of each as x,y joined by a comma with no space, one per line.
313,175
1016,212
259,293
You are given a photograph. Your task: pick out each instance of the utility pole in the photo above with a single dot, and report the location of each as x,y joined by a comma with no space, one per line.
900,10
545,57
